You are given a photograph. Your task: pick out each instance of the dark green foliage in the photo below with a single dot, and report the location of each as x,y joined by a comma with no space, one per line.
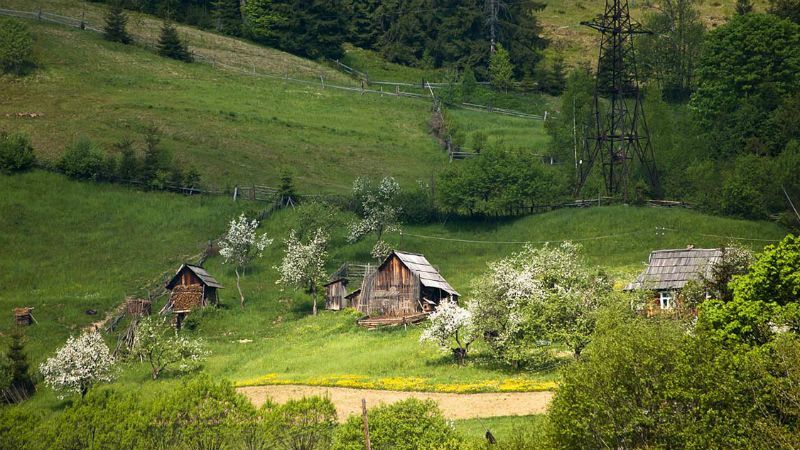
170,44
286,193
116,20
311,28
669,55
365,27
16,153
16,47
569,129
83,160
406,425
17,427
774,276
128,168
228,17
20,384
305,424
787,9
416,204
750,60
552,79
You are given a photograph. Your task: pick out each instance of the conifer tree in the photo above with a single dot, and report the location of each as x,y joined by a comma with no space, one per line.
744,7
21,385
501,70
228,17
116,20
170,44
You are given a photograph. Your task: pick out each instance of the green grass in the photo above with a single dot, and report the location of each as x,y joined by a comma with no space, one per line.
69,247
502,428
512,132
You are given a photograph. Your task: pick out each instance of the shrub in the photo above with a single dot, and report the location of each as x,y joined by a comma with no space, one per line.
304,424
16,47
406,425
17,427
83,160
16,153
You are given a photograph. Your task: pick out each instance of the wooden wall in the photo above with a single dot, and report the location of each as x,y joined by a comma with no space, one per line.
392,291
334,295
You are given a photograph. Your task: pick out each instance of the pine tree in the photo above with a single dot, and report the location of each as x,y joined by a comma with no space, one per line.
116,19
228,17
21,383
744,7
170,44
501,70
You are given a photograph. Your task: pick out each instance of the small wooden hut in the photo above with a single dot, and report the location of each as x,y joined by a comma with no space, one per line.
138,307
23,316
335,293
405,288
667,273
351,299
191,287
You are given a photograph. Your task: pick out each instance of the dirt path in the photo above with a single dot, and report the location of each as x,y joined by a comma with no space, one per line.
454,406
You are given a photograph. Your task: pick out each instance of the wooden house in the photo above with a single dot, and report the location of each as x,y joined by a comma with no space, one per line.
351,299
335,293
191,288
405,288
667,273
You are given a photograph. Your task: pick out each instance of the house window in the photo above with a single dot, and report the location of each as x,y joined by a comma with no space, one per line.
665,299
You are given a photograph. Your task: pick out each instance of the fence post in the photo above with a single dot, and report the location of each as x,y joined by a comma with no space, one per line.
322,82
367,444
235,192
39,16
83,20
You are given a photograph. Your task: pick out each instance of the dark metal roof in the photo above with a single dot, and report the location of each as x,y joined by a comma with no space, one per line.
201,273
428,275
345,280
672,269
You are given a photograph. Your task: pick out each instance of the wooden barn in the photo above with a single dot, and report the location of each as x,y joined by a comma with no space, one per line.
335,293
667,273
191,287
405,288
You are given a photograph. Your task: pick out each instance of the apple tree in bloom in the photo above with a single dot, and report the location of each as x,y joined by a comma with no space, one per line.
450,324
79,364
241,245
378,211
303,264
537,296
162,348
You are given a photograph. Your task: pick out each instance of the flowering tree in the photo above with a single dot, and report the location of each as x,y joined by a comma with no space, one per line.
303,265
378,212
537,295
152,344
241,244
80,363
450,322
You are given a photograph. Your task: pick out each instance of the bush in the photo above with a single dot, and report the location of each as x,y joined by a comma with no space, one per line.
83,160
17,427
16,47
407,425
304,424
16,153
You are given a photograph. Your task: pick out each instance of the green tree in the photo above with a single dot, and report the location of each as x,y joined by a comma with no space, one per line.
16,47
774,276
129,167
83,160
406,425
154,344
501,71
669,54
116,20
304,424
16,153
751,58
787,9
170,44
228,16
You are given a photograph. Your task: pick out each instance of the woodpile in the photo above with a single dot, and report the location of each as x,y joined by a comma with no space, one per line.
23,316
186,297
137,307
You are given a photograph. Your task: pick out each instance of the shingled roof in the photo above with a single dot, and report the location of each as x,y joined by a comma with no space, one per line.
428,275
672,269
201,273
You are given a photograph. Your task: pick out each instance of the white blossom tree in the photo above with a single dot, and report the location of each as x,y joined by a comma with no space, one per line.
153,344
534,296
450,323
240,245
79,364
378,211
303,264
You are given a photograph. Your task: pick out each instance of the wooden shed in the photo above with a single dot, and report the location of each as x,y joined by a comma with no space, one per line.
404,288
191,287
667,273
351,299
335,293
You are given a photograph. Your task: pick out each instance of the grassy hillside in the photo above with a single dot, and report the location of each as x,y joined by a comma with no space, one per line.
69,247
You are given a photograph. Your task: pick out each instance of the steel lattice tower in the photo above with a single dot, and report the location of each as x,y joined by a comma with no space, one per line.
621,132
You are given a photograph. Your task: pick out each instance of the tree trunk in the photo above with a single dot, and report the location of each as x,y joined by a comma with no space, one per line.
314,296
239,288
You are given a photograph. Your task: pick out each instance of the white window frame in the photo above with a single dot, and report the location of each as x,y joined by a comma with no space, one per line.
666,299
